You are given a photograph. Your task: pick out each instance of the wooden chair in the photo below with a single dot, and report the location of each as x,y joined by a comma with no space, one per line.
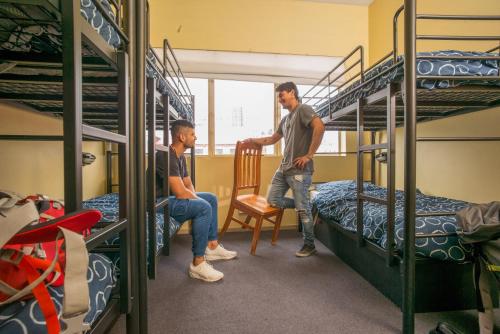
247,177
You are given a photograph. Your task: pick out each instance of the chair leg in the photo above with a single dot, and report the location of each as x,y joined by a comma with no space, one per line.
256,235
277,225
228,220
247,221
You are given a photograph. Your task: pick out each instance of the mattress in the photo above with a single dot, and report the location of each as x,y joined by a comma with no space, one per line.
32,28
108,205
26,316
432,67
336,202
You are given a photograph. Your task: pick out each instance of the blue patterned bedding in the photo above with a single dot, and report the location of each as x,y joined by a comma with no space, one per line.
46,38
432,67
108,205
26,317
336,201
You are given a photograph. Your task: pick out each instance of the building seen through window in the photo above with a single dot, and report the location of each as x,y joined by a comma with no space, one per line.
242,110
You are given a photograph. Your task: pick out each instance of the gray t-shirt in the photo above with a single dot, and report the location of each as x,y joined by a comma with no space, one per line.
297,133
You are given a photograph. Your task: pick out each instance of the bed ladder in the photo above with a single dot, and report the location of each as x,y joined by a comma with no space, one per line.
389,94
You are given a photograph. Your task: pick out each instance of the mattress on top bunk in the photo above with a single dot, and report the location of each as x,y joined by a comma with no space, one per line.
26,30
108,205
336,201
434,67
26,316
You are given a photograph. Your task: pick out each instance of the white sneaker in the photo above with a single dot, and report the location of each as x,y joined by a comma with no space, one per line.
219,253
205,272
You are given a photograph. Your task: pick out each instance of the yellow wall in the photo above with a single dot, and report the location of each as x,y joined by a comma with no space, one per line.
466,170
37,167
273,26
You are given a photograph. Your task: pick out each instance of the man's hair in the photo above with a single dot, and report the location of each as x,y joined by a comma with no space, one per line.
177,126
288,86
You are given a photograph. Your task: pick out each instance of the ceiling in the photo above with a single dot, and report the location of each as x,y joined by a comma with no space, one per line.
347,2
254,66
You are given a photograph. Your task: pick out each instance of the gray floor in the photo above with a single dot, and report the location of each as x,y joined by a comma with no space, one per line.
275,292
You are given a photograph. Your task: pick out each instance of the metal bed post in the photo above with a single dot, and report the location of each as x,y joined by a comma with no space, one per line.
372,158
124,182
193,153
410,166
72,104
359,179
140,103
151,175
391,171
109,170
132,318
166,167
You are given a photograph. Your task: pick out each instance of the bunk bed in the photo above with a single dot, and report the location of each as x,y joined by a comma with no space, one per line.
165,86
399,241
69,59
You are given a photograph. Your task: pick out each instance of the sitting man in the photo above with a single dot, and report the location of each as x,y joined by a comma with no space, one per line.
186,204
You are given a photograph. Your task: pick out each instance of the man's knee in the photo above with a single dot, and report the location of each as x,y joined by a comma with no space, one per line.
209,197
273,201
203,208
304,216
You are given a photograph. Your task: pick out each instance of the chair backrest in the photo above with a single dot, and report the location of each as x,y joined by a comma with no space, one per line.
247,167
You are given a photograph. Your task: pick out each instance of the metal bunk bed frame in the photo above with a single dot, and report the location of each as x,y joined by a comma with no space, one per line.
171,72
362,256
75,31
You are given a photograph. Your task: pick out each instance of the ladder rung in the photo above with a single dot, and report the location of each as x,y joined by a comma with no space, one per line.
436,235
373,147
373,199
434,214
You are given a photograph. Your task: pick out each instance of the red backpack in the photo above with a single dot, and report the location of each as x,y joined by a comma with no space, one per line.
36,253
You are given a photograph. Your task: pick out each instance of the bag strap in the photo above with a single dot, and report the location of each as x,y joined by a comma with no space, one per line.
76,288
6,255
486,323
19,217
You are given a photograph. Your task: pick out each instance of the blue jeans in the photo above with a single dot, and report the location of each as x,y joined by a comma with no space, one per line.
203,212
300,188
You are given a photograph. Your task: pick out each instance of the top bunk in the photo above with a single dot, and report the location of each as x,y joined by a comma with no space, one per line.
449,82
31,66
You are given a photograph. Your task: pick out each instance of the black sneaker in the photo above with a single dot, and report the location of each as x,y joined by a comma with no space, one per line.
305,251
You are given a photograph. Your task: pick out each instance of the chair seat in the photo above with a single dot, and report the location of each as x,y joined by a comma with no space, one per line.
258,204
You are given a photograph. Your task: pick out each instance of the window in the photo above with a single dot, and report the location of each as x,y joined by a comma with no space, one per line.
331,142
199,88
242,110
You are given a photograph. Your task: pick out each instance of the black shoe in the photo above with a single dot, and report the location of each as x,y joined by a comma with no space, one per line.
305,251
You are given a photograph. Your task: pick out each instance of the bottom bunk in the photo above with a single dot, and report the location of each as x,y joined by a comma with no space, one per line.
26,316
444,277
108,206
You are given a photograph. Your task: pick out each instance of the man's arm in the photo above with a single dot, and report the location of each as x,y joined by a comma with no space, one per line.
188,184
317,135
179,189
266,140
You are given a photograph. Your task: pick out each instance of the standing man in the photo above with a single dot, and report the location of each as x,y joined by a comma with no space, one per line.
302,130
186,204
